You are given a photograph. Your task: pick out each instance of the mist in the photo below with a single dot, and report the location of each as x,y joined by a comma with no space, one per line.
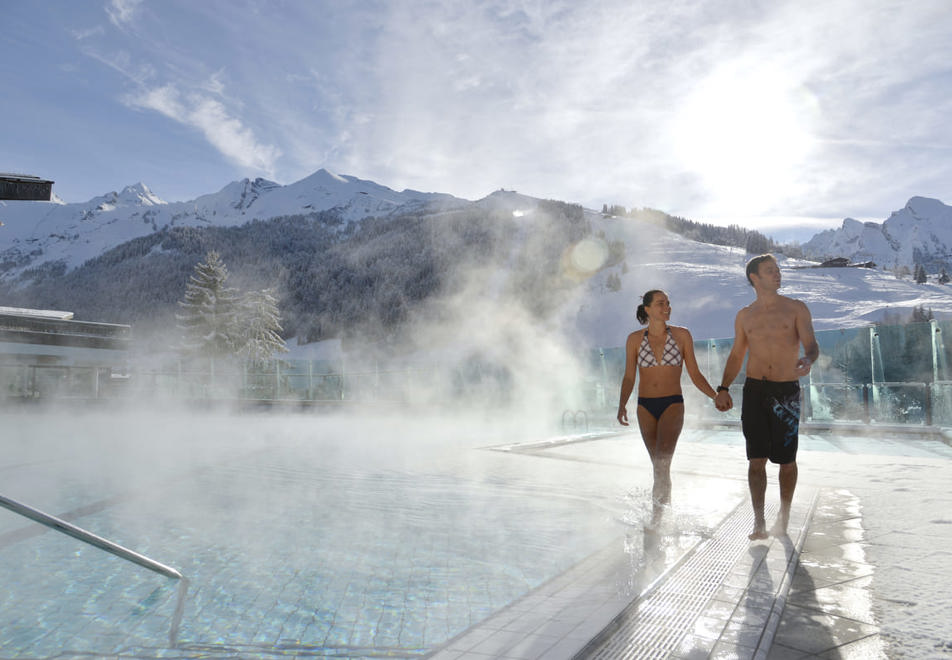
264,508
256,504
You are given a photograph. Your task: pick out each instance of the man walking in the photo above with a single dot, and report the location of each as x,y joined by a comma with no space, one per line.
771,329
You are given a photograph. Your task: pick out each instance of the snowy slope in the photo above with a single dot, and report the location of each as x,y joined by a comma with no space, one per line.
40,232
707,286
706,282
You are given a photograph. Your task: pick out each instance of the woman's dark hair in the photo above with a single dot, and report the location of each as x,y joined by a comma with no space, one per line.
641,313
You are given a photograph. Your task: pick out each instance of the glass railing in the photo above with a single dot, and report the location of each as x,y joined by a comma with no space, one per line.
878,374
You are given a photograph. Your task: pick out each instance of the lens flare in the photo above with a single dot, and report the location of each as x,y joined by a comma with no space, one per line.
585,258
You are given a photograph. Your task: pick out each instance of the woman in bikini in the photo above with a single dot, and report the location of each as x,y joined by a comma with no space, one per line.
658,353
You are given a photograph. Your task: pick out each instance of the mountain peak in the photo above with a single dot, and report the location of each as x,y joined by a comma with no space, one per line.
135,195
327,180
138,194
927,207
919,234
508,200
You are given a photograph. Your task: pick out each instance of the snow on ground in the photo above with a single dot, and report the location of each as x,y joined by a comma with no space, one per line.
707,286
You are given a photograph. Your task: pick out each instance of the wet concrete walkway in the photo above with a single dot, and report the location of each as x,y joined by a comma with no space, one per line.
828,590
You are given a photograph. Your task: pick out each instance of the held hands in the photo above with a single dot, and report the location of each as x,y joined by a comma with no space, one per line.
723,401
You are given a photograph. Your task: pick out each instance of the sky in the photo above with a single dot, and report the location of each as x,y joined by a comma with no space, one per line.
768,114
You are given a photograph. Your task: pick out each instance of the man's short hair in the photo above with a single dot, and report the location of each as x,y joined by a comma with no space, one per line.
753,266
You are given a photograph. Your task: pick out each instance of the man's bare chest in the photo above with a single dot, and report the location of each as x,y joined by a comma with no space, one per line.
771,329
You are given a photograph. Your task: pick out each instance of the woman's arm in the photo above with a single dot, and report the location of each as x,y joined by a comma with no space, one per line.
628,382
690,363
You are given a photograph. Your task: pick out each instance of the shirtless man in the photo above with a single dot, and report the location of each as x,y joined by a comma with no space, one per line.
771,329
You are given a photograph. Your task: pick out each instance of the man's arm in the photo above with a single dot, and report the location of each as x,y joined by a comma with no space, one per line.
811,350
732,367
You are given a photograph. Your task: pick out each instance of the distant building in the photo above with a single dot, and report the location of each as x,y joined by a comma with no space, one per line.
47,353
25,187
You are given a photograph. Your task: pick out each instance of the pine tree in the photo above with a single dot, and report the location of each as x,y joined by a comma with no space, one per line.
920,274
944,277
208,316
921,315
260,323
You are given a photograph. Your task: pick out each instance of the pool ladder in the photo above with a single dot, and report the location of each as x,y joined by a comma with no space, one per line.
87,537
61,525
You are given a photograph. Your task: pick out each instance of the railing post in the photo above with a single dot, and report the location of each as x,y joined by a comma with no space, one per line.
928,402
310,380
866,387
601,355
934,325
809,398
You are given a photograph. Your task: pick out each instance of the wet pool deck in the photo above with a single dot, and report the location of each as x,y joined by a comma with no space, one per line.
808,595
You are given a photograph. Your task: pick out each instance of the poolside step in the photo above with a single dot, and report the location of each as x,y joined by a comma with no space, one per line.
715,594
726,598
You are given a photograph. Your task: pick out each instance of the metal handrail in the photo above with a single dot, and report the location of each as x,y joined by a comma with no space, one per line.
88,537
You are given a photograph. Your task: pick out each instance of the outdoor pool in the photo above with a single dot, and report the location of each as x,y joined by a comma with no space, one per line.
298,534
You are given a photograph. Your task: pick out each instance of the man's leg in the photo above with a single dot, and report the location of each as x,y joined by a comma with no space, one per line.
757,482
788,483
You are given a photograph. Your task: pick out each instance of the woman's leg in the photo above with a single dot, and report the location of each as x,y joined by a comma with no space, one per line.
669,430
661,437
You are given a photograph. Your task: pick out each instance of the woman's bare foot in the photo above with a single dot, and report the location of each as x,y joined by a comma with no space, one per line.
779,528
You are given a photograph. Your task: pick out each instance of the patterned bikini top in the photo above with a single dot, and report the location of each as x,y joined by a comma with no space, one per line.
671,357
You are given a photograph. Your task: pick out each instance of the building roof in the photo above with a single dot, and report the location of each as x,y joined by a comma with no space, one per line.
37,313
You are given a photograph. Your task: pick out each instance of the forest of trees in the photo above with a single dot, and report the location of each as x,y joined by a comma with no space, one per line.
732,235
329,278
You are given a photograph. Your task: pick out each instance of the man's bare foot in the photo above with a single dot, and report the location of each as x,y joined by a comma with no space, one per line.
779,529
760,531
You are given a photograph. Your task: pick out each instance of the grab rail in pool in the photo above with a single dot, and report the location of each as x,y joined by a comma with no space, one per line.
88,537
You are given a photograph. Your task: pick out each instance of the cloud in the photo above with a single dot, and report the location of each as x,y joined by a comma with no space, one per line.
596,101
81,34
122,12
226,133
121,62
587,101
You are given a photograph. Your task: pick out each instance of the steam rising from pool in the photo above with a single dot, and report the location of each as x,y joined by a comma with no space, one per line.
292,527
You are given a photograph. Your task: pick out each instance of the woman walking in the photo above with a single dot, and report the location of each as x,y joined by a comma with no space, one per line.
657,354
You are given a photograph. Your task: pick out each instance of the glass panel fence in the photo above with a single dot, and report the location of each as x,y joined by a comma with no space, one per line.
942,403
899,373
899,403
841,402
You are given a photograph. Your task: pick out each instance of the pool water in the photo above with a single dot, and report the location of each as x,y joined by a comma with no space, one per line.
299,535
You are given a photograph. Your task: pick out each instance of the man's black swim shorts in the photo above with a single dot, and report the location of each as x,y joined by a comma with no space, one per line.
770,417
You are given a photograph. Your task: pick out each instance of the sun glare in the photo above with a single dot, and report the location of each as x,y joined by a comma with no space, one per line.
745,133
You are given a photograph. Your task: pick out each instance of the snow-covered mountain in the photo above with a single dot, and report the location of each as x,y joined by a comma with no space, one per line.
706,282
36,233
918,234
